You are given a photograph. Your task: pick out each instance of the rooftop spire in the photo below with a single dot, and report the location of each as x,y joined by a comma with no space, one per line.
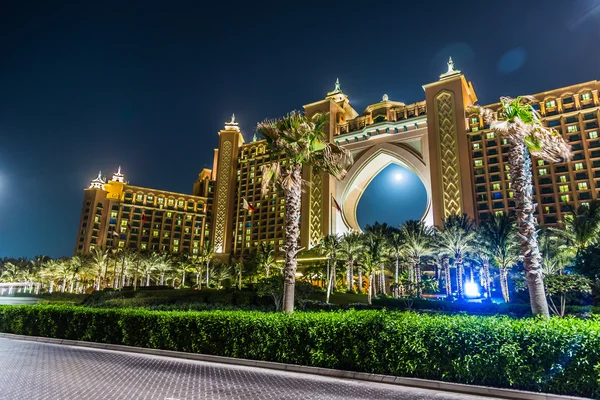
232,125
337,88
98,182
451,70
118,176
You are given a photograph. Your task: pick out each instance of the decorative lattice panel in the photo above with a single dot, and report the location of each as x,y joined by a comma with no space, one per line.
316,209
223,191
446,117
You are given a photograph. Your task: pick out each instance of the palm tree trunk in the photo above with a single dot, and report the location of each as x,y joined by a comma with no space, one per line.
459,278
504,283
397,276
292,215
446,266
162,278
183,279
331,282
519,161
487,279
349,276
198,281
207,272
360,280
370,291
418,278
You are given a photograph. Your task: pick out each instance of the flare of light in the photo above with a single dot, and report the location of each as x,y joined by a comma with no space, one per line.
398,177
472,289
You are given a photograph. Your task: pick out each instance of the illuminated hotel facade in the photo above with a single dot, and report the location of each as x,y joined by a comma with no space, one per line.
462,165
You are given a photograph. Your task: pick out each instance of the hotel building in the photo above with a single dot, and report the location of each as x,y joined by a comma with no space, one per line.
462,164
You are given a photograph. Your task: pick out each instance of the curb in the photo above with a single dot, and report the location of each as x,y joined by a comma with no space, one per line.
332,373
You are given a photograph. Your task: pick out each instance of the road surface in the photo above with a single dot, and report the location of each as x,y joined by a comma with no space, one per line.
32,370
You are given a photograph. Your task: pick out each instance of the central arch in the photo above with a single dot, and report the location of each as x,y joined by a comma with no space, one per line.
366,167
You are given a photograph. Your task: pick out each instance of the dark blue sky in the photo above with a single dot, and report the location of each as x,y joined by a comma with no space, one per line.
90,85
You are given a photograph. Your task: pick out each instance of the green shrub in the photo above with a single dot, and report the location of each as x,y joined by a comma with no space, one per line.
558,356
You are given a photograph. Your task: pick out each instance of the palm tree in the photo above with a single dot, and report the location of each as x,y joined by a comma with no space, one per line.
383,231
163,266
372,257
149,265
99,259
417,244
455,239
350,247
197,264
396,243
303,141
498,242
222,272
266,257
185,264
206,255
581,227
522,127
330,245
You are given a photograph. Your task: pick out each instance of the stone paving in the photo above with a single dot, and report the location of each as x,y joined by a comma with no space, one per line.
40,371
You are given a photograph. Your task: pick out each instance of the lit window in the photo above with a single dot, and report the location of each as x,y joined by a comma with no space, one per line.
563,188
169,214
586,96
543,171
195,251
490,135
155,233
175,249
593,134
474,120
144,246
504,141
547,209
97,219
188,217
496,186
551,104
180,203
121,243
170,202
564,198
578,166
541,163
582,185
478,163
91,247
511,194
474,129
197,244
499,212
149,199
585,204
139,197
176,242
563,178
123,222
507,176
572,128
476,146
123,229
114,214
160,200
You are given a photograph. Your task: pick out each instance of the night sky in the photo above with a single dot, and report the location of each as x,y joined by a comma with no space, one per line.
92,85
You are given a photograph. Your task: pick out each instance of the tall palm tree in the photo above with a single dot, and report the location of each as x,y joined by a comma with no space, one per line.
163,266
149,265
498,242
304,142
522,126
184,265
383,231
581,227
197,264
455,239
99,259
372,257
350,247
396,243
330,245
207,254
417,244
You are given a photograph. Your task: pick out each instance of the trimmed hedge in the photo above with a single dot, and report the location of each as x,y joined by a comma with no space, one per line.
557,356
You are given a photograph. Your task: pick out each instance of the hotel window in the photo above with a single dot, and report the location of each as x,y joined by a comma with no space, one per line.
169,214
511,194
547,209
593,134
155,233
499,212
160,200
123,222
586,96
572,128
563,188
504,141
478,163
476,146
188,217
176,242
149,199
490,135
542,171
170,202
195,251
121,243
180,203
139,197
582,185
507,176
578,166
586,204
114,214
496,186
175,249
144,246
541,163
123,229
474,120
564,198
96,219
91,248
563,178
551,104
166,234
197,244
474,129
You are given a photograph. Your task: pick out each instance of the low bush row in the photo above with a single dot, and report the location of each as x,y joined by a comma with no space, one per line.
558,356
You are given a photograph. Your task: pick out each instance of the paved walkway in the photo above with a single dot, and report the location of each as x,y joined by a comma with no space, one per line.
30,370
